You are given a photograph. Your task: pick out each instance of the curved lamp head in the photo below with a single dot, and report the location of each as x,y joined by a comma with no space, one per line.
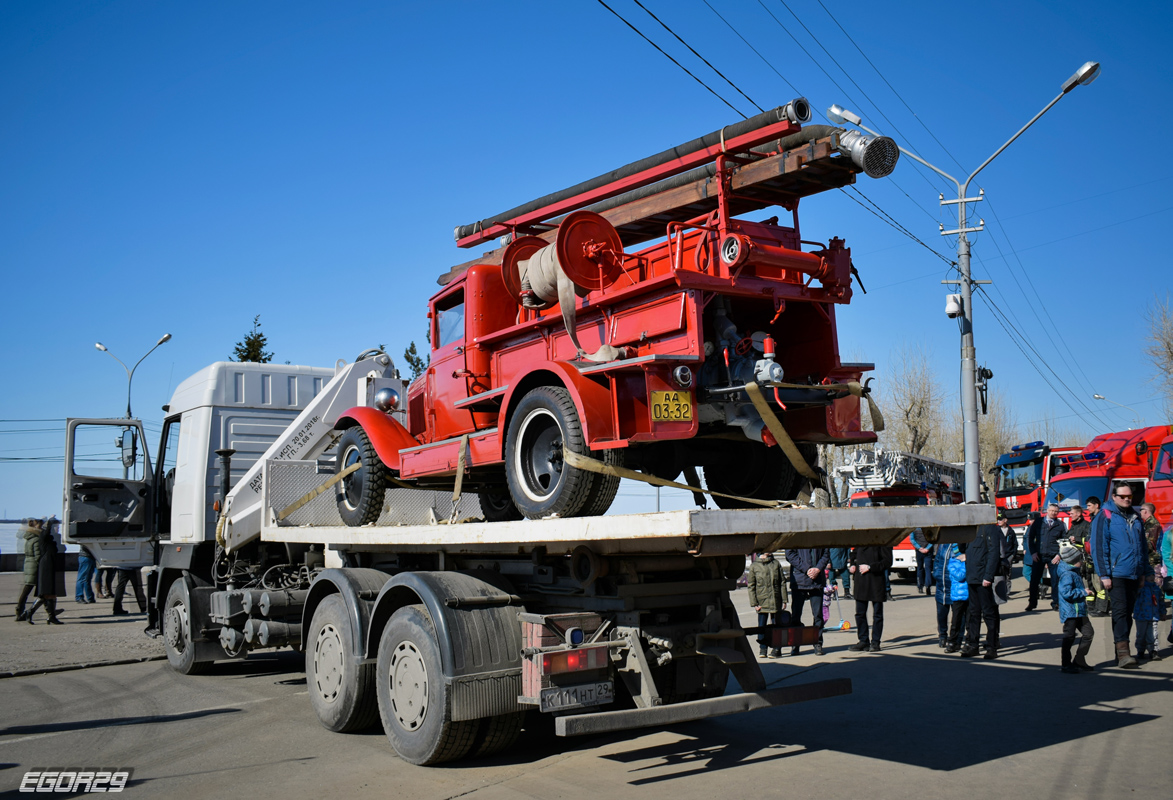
840,115
100,346
166,338
1098,397
1083,76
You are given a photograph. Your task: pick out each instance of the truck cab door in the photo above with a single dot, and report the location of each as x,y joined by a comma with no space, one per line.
108,497
447,372
1159,492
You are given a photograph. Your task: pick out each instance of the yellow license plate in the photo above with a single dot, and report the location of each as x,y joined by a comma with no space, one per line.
671,407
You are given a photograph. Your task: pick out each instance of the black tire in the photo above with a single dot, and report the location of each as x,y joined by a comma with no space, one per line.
360,495
497,734
414,703
177,640
497,505
602,494
341,692
760,472
540,481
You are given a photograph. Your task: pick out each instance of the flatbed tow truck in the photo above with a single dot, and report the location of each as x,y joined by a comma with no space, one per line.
357,536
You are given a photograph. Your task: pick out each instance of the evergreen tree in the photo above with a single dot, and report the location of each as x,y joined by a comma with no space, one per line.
416,362
252,347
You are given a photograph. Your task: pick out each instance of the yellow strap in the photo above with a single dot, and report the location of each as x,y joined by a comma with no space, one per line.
461,460
854,388
593,465
784,441
301,501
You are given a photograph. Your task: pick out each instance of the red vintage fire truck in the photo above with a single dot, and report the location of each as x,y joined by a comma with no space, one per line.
562,356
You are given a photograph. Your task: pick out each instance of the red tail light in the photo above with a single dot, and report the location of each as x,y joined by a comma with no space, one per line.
574,660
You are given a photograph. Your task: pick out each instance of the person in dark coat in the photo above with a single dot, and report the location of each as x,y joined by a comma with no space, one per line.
868,565
839,569
1120,550
1098,604
134,576
1042,542
924,563
31,532
983,557
50,580
808,576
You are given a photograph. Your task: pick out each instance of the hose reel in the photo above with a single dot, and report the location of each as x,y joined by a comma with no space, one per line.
586,256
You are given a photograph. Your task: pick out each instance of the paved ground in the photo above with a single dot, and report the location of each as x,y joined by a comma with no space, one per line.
90,634
919,723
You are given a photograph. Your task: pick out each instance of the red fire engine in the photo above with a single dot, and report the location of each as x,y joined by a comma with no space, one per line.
561,356
1133,457
1021,480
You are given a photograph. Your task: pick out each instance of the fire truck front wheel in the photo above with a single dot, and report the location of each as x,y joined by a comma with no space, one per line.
497,504
360,494
540,481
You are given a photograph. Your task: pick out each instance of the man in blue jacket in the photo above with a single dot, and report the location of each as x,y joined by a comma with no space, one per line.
1120,553
808,576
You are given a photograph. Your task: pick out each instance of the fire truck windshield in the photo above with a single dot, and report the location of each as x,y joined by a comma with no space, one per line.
1018,477
1069,491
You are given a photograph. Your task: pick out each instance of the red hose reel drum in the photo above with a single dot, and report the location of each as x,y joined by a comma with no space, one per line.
588,251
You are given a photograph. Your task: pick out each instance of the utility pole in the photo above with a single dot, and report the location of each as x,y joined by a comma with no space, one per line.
969,370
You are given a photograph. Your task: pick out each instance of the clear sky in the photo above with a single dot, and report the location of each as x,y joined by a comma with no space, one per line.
183,167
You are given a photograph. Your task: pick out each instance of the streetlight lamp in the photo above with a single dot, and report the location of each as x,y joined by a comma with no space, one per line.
130,370
1135,416
1082,76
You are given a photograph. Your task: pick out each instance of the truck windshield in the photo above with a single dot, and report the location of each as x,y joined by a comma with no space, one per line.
1068,491
1018,477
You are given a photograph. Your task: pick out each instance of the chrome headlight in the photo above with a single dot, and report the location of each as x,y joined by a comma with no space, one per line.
387,400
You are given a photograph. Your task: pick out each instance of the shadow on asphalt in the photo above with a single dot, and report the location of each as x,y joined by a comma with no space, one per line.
81,725
899,709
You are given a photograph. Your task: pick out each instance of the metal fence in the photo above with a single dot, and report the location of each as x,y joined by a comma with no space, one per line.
288,481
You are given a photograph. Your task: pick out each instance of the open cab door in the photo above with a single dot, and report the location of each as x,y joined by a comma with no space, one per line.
109,493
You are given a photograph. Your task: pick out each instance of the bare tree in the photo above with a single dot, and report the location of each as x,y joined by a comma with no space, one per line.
912,404
1055,433
1159,349
997,433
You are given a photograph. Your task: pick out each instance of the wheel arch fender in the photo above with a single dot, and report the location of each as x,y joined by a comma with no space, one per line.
592,400
387,435
462,610
358,588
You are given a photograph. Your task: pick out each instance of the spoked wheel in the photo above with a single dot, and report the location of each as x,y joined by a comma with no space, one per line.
341,691
360,494
540,481
414,703
177,639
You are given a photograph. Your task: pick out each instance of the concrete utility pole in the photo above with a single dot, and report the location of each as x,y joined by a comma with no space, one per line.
969,370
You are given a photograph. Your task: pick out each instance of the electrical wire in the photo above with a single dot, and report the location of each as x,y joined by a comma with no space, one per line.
673,60
889,220
698,55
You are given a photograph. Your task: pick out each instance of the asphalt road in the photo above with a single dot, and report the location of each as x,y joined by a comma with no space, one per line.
919,723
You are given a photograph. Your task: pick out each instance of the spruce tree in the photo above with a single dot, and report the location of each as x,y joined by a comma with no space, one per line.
252,347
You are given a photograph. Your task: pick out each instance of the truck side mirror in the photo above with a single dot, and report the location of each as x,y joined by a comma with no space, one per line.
128,445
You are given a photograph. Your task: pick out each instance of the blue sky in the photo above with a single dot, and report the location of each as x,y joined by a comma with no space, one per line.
182,167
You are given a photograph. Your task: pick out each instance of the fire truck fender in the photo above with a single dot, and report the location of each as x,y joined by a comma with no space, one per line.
387,436
592,399
474,619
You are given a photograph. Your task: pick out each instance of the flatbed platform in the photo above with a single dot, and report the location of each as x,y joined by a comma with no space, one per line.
696,532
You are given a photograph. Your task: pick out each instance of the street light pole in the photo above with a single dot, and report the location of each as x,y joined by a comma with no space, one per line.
1135,416
1083,76
130,370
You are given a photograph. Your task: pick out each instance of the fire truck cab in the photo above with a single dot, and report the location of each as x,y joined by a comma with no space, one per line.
1021,480
1132,457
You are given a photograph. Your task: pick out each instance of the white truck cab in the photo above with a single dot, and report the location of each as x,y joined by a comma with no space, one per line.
117,502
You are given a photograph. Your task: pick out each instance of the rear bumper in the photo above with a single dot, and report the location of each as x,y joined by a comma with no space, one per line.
628,719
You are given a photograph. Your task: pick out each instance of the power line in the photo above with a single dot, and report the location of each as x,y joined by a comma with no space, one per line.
889,220
890,86
673,60
698,55
737,33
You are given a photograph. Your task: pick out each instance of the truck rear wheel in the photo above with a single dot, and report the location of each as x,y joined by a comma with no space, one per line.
497,505
413,699
540,481
341,692
360,494
177,640
757,471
